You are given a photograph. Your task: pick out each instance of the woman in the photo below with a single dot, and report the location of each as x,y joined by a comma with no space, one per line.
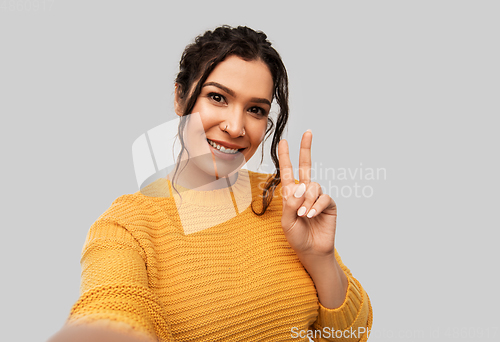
213,252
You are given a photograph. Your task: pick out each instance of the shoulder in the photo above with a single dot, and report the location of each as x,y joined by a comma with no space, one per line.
129,208
259,177
134,214
130,223
260,182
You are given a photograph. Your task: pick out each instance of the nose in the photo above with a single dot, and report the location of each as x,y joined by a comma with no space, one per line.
234,123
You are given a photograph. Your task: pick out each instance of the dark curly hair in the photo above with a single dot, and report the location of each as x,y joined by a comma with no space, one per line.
200,58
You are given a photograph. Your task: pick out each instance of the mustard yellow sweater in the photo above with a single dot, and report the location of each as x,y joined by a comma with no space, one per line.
206,269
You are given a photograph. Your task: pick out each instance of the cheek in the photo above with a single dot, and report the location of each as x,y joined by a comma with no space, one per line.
264,129
259,135
207,115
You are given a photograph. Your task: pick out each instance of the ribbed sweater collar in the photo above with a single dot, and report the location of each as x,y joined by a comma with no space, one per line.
241,189
220,198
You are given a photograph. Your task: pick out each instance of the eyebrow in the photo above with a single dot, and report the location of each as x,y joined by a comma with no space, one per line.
231,92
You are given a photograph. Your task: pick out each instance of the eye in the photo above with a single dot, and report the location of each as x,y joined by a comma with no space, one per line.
257,110
217,98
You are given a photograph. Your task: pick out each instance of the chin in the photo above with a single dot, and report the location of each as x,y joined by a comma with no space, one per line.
222,170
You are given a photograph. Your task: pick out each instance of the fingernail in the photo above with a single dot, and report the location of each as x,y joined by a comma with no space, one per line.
300,190
311,213
301,211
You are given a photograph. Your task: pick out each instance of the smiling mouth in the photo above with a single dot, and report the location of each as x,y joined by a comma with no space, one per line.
213,143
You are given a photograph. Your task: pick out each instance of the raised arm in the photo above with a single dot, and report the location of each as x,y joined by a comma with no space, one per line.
309,222
116,301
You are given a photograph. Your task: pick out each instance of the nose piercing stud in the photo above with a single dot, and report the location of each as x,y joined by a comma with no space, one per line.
243,134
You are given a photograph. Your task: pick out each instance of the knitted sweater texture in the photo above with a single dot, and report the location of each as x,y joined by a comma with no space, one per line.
203,267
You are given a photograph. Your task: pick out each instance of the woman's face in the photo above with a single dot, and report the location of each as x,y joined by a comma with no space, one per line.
237,95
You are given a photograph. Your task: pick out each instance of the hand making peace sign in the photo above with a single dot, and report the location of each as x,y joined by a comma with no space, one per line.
315,235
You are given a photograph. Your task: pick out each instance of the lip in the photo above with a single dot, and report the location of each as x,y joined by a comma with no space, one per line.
226,144
225,156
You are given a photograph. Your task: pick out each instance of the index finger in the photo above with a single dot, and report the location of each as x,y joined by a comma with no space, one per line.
286,169
305,158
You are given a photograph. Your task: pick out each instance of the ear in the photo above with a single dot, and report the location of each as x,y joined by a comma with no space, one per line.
178,101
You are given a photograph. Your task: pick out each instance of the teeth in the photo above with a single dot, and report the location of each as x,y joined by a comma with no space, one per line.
221,148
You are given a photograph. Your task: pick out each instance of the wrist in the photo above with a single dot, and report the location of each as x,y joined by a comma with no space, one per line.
329,279
317,264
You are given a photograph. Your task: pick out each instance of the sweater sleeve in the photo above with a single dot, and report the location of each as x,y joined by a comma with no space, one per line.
352,321
115,291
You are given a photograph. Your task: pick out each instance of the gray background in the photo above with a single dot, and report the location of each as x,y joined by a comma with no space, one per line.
411,87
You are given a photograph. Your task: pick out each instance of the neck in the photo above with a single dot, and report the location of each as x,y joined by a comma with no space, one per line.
195,179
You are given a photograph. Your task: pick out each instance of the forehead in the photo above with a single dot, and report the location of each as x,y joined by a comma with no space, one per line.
245,78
